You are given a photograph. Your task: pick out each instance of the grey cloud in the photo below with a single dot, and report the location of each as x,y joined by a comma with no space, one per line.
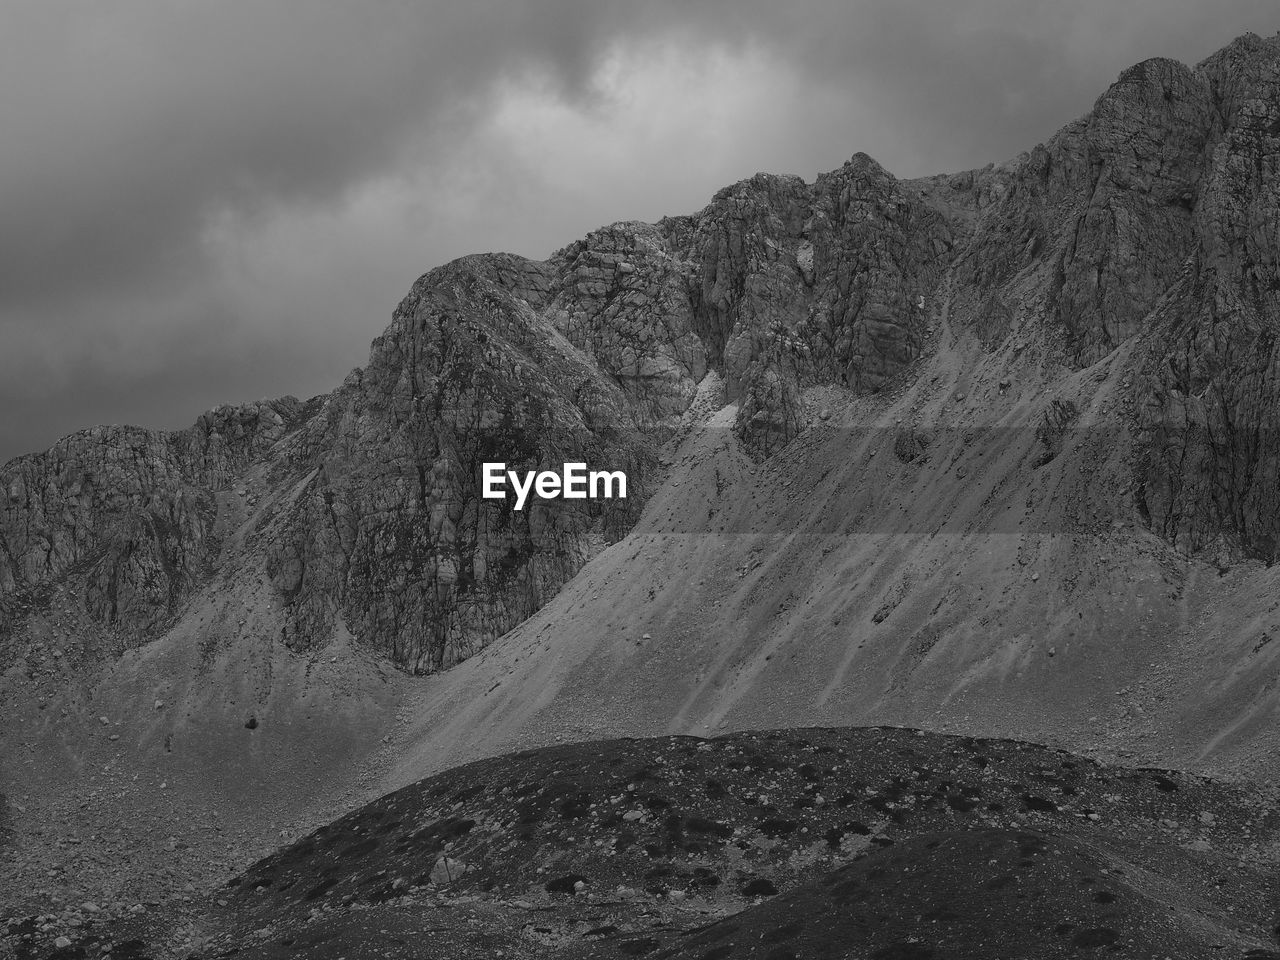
129,127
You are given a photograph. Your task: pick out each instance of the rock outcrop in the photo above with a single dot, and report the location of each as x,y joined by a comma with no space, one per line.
1093,225
388,529
128,513
1209,391
770,412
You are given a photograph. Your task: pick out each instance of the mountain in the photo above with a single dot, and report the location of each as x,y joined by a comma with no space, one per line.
989,453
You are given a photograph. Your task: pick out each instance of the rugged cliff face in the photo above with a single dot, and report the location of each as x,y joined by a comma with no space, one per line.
128,515
387,528
1146,233
1211,383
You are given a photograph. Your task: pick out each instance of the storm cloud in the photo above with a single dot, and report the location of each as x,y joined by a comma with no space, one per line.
213,202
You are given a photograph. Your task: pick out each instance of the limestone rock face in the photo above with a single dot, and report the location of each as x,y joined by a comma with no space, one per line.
129,513
621,295
1210,387
388,530
880,253
1154,219
1096,222
746,246
830,280
1144,235
771,412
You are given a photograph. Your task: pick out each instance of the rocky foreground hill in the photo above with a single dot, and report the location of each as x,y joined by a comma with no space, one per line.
884,844
992,453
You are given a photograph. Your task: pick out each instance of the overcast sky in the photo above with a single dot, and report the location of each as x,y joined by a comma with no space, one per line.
208,202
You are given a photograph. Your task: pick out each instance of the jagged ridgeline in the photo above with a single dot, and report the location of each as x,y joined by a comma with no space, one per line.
1150,226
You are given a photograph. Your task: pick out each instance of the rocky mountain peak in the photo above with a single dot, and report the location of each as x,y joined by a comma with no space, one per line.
1143,234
